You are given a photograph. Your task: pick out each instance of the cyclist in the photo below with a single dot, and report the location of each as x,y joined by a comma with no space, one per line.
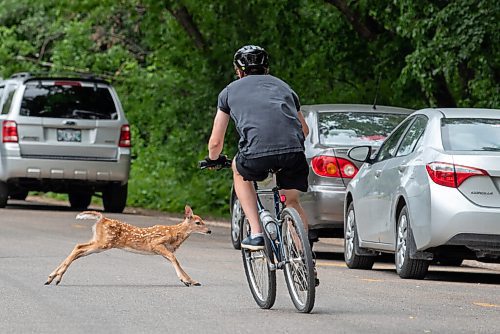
272,129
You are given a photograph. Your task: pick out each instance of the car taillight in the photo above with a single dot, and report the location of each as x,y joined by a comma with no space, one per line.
125,136
451,175
333,167
67,83
9,132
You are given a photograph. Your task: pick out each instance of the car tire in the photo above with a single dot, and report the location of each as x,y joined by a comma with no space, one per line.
79,200
351,244
237,223
407,267
4,194
114,198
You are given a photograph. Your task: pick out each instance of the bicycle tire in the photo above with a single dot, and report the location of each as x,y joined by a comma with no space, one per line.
299,267
261,279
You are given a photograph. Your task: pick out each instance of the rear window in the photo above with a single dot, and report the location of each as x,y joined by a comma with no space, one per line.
470,134
355,128
68,101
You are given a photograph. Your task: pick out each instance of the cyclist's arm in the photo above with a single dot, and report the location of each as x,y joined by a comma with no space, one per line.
305,128
216,142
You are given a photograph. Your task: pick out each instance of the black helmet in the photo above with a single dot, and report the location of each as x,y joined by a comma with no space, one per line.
250,58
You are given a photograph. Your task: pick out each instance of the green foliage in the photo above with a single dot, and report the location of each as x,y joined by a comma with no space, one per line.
168,77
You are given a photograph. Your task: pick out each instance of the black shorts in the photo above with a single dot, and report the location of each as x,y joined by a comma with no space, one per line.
291,169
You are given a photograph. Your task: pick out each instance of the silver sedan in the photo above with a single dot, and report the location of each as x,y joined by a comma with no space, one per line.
431,193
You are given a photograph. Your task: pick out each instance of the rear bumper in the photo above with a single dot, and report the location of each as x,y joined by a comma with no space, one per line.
459,222
324,206
81,171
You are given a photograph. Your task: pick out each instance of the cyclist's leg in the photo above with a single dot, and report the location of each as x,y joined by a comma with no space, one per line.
293,201
247,197
292,178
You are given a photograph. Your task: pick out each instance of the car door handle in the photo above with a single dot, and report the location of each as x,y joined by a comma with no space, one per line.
378,172
402,168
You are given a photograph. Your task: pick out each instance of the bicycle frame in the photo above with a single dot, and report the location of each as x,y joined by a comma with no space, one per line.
279,205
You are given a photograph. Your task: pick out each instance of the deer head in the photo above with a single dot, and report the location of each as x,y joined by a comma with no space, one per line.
195,223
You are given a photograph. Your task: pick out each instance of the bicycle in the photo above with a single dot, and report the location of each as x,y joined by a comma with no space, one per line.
286,248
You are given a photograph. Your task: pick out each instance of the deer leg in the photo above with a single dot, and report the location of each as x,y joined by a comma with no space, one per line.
79,251
183,276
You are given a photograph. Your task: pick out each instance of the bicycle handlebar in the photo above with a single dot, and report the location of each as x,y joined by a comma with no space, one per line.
221,162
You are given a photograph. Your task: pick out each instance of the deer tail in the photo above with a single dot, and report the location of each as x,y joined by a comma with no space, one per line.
89,215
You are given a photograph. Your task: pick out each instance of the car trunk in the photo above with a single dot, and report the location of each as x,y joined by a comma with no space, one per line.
481,190
78,139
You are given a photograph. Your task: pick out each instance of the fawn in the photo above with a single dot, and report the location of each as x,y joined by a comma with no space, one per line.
155,240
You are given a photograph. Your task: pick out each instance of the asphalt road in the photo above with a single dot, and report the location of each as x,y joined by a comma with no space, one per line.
120,292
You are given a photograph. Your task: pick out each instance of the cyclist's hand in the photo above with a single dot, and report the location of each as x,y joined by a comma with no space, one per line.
221,162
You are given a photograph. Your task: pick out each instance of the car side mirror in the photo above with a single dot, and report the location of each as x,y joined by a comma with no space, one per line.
360,153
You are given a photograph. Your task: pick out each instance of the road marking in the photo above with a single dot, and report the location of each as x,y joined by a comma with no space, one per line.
329,264
486,304
80,226
372,280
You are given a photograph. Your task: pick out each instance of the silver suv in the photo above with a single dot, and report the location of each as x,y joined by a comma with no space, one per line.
65,135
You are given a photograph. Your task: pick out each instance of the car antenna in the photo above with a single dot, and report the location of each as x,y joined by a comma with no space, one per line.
374,107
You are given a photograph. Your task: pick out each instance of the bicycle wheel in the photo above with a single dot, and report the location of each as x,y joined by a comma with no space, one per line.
261,279
299,267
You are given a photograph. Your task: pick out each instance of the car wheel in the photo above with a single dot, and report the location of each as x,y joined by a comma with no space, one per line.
407,267
4,194
237,223
351,244
79,200
114,198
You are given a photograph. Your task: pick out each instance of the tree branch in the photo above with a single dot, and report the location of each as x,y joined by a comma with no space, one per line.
185,19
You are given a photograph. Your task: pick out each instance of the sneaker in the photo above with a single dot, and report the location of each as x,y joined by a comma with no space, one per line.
253,244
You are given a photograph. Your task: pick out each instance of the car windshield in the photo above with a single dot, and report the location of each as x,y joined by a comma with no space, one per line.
68,101
470,134
356,128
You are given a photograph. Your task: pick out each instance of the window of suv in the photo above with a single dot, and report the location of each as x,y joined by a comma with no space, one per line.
10,90
68,100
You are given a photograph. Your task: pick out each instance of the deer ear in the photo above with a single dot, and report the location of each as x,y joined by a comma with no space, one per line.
188,213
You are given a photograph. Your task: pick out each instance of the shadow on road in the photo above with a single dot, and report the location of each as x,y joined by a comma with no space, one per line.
463,277
22,205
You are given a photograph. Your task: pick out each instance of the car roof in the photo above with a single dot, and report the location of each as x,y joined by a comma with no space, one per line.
355,108
27,77
463,112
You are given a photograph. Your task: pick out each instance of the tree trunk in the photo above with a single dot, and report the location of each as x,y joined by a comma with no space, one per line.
367,29
442,93
185,19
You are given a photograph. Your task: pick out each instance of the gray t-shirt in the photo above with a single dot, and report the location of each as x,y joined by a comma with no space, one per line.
265,111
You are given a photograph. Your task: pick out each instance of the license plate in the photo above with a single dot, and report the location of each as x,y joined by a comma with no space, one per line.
70,135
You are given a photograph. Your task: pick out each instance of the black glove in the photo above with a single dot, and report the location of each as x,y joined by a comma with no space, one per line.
221,162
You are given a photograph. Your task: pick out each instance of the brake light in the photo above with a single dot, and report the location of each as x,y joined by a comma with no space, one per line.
333,167
125,137
67,83
9,132
451,175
